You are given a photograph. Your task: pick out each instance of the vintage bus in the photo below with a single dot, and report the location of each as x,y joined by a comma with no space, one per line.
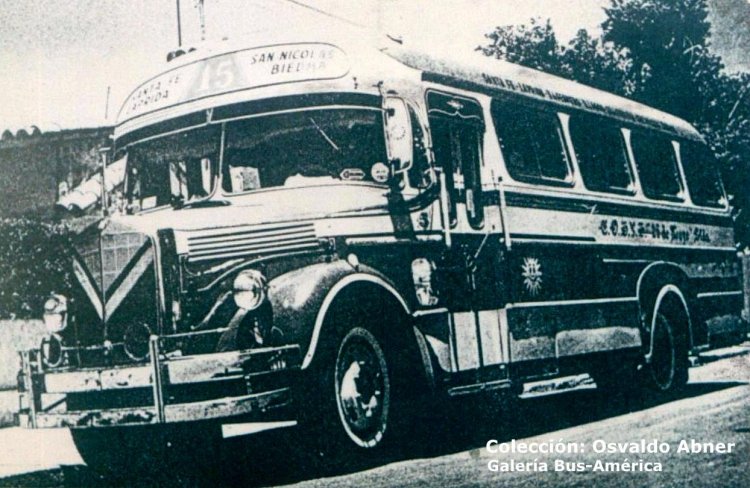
329,235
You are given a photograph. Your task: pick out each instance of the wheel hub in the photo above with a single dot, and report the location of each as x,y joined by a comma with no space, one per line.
360,394
362,390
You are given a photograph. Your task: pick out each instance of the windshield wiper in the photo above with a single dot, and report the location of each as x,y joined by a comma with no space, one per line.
325,136
209,200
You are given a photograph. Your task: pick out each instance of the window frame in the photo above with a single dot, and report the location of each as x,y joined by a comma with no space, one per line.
138,144
242,119
688,191
479,122
631,189
547,109
681,195
425,151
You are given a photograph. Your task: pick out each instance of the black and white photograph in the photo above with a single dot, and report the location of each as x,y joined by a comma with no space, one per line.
379,243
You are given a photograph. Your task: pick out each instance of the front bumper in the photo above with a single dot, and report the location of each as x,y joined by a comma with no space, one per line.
249,383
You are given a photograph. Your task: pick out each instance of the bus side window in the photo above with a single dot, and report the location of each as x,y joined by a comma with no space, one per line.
457,130
702,175
601,154
657,166
532,143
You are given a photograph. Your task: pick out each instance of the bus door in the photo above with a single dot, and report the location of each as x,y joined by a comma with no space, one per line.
470,268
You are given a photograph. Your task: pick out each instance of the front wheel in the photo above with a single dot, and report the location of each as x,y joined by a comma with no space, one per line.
363,388
359,397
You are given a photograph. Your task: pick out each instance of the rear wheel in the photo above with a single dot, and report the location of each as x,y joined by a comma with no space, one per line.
667,369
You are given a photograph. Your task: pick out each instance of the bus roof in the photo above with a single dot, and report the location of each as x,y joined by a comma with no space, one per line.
209,75
481,73
255,67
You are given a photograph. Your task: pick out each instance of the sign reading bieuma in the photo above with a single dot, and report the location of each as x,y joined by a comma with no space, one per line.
239,70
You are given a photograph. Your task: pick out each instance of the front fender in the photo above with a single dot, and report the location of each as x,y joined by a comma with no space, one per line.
300,299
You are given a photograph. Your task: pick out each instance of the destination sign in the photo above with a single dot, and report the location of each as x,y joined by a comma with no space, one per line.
241,70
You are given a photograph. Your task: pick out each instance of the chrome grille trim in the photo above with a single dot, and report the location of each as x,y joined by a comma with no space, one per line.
250,241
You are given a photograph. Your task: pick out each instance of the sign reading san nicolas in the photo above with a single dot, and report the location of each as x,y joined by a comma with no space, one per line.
240,70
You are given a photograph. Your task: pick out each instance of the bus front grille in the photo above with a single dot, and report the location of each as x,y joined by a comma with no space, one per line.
251,241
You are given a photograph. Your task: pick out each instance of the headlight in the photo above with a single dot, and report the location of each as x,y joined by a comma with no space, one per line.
56,313
249,289
51,351
135,341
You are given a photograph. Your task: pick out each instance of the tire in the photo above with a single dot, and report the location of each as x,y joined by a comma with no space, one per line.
667,369
363,388
359,394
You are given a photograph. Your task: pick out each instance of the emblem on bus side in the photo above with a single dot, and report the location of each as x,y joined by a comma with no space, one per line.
532,275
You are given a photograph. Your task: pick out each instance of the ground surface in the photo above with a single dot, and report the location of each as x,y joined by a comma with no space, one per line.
714,408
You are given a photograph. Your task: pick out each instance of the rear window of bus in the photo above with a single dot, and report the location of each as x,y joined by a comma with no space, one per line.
657,167
532,143
702,174
600,151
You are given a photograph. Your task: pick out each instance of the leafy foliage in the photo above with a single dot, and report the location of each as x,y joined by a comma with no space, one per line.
534,46
657,52
668,40
585,58
32,265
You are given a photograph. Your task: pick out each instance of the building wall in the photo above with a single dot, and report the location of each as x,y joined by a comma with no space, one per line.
33,165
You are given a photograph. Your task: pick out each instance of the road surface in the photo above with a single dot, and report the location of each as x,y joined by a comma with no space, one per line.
715,408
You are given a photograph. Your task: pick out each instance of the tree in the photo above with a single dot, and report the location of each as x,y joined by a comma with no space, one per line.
585,58
600,64
669,41
728,133
534,45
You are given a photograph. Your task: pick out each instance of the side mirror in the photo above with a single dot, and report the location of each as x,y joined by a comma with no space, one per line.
398,133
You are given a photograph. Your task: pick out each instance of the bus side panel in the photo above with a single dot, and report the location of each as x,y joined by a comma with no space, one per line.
574,273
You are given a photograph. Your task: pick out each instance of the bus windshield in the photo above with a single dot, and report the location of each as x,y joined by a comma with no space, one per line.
302,148
175,168
309,147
